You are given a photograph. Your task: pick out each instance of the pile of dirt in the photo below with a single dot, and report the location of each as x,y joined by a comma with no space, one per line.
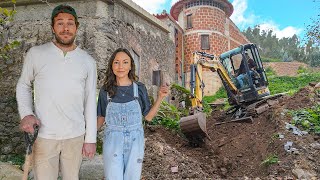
237,150
285,68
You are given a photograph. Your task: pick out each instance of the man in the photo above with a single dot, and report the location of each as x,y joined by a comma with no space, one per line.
64,81
242,71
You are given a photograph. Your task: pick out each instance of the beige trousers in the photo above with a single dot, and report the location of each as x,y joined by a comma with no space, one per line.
50,156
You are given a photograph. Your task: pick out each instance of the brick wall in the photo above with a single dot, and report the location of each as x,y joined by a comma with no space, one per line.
236,36
223,36
206,18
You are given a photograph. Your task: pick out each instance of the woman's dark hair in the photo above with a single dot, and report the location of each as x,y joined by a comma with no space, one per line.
111,84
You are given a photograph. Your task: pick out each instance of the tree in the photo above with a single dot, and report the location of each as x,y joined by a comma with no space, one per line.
313,30
285,49
6,16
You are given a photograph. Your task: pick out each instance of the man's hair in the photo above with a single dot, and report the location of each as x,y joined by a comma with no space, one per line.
63,8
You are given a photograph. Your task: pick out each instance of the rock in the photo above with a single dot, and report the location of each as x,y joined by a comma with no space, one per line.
315,146
312,84
302,174
10,172
92,169
224,171
174,169
160,149
7,149
8,110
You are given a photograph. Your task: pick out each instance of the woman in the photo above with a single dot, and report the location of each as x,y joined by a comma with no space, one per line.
122,103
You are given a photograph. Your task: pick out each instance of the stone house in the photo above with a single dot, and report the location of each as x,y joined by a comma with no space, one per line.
105,25
162,42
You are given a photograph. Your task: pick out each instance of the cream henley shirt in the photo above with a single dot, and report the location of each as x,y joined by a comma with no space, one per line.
64,92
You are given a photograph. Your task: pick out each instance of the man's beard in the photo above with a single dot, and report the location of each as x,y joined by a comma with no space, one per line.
63,42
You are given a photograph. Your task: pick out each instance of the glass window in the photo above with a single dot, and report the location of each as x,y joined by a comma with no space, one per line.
189,21
205,44
205,3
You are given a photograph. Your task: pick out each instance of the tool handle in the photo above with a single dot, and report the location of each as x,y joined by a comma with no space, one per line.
26,166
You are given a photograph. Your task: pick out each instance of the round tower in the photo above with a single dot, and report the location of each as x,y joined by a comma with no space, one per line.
205,24
207,27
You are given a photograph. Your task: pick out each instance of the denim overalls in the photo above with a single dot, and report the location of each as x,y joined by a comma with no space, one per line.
123,147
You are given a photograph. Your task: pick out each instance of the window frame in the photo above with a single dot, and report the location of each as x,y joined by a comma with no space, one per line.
205,41
189,21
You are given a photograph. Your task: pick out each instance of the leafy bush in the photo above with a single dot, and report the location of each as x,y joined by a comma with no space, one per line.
308,119
168,116
181,94
270,72
6,16
302,70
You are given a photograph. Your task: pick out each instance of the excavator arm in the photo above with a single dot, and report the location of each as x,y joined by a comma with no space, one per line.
194,125
201,60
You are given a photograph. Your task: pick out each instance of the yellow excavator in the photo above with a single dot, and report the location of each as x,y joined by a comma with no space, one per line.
244,78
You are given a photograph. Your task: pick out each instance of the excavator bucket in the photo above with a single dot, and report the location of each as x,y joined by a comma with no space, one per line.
194,126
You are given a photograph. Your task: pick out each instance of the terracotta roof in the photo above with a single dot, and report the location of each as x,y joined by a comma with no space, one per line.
178,6
162,15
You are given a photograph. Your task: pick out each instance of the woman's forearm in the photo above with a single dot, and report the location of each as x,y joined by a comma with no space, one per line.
154,109
100,121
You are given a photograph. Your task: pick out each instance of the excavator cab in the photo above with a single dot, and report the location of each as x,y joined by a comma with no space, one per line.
246,71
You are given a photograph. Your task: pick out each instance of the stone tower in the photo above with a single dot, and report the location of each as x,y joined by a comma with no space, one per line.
207,27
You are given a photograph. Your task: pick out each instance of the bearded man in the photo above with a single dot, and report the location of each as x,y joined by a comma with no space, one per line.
63,79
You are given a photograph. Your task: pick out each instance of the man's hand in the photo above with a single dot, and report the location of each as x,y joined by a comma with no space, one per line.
28,122
89,150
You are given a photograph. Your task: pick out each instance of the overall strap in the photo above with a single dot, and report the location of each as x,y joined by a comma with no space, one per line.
135,90
108,97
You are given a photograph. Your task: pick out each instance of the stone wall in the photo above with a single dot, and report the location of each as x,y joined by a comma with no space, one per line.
176,34
104,26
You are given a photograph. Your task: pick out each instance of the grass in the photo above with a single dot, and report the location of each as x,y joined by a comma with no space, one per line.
270,72
17,159
271,159
291,84
221,93
265,59
277,84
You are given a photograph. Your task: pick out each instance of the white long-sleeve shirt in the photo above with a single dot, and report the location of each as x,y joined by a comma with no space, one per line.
64,92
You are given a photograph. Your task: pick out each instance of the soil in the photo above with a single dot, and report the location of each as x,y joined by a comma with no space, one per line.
285,68
237,150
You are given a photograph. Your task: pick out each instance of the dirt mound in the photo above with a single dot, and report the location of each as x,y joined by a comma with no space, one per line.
237,150
285,68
